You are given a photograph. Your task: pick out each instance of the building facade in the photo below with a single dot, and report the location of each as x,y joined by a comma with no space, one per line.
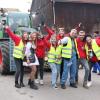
68,13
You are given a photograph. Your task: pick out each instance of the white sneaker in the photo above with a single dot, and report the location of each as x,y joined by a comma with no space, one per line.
89,84
55,87
36,81
41,82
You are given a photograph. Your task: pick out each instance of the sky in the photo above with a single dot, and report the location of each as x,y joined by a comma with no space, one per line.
23,5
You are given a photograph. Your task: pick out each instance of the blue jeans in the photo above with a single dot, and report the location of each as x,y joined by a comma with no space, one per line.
69,66
54,73
96,66
58,66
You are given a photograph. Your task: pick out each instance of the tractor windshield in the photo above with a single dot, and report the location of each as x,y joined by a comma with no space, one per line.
18,20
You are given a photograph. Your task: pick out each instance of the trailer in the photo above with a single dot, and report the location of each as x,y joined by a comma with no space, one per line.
68,13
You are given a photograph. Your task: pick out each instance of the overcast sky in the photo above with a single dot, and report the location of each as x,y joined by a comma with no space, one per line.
23,5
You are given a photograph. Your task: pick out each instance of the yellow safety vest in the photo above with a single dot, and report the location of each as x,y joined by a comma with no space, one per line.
95,48
58,53
18,50
67,50
53,54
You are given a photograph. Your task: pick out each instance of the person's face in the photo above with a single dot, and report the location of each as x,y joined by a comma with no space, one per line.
33,36
25,36
95,34
54,43
81,35
73,33
89,40
61,32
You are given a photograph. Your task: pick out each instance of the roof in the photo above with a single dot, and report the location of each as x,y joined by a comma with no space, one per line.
80,1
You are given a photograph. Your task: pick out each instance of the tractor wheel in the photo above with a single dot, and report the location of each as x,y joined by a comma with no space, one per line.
4,58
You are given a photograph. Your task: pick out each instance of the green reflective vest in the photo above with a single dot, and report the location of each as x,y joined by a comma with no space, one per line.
67,50
18,50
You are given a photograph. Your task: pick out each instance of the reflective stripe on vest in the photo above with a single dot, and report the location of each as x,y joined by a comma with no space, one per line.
18,50
96,49
87,49
67,50
77,48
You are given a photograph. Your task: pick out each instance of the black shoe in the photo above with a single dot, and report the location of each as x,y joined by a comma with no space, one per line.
29,81
33,86
22,84
94,71
17,85
63,86
98,73
73,85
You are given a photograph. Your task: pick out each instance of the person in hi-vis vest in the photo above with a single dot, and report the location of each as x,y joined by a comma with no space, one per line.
69,56
93,52
18,54
54,60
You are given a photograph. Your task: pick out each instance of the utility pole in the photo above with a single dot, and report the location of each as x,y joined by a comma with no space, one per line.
54,16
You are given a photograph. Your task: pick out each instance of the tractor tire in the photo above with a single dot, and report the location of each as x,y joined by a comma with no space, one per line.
4,58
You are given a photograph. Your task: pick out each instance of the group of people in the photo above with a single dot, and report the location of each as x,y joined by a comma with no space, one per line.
65,53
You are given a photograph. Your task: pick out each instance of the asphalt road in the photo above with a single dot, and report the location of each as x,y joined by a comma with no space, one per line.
9,92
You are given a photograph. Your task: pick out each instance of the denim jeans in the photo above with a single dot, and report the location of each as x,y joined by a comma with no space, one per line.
96,66
58,66
69,67
54,73
85,64
73,69
77,70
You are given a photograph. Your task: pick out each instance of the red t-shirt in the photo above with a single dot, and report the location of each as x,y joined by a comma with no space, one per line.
81,48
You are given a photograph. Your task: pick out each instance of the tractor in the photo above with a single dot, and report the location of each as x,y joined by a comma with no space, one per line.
18,22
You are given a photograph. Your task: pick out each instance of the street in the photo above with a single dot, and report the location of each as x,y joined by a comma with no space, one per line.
9,92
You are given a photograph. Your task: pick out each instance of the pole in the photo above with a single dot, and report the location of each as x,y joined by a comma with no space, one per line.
54,16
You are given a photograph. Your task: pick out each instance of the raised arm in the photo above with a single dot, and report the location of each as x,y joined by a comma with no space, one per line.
50,33
13,36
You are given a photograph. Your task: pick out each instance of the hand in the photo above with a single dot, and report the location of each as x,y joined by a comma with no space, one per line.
59,56
6,28
44,25
80,24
